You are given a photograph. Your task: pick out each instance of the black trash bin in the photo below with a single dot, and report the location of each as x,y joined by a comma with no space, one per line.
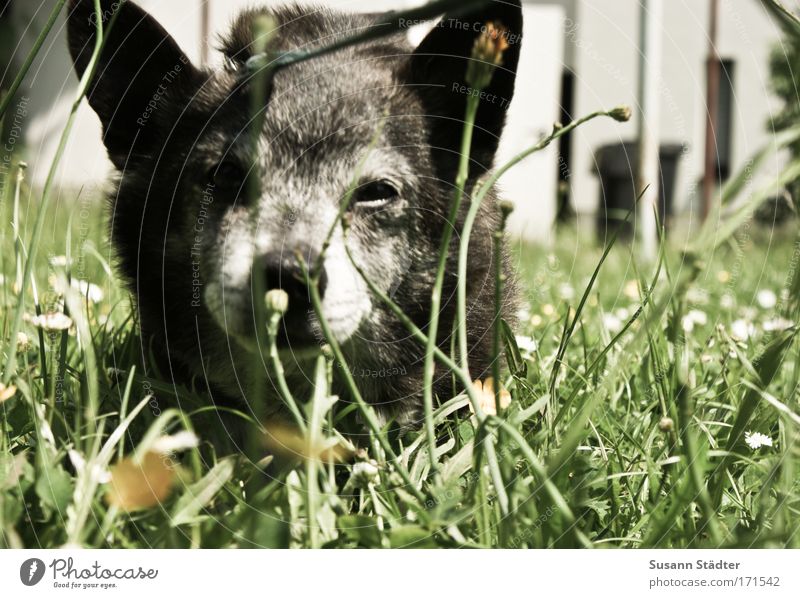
616,166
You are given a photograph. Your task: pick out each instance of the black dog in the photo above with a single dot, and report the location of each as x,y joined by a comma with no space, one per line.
189,239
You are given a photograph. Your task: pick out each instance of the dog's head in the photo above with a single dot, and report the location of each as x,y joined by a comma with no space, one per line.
205,204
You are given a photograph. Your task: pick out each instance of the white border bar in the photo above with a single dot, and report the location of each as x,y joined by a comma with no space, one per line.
413,573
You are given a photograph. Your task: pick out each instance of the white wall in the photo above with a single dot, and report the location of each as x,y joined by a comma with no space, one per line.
52,85
605,45
598,39
531,185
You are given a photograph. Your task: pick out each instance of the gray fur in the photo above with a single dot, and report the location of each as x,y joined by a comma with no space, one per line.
170,227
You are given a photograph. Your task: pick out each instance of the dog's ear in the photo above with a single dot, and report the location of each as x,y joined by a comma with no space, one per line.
438,71
140,65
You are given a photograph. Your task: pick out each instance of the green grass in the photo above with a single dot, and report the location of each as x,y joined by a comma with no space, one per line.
637,394
627,446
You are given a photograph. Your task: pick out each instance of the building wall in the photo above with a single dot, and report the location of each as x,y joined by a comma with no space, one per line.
53,84
603,42
597,39
532,184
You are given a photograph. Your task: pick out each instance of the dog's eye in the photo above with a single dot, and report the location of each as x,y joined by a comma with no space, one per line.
375,194
227,175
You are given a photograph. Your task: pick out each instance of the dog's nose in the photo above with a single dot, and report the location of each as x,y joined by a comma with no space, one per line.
282,270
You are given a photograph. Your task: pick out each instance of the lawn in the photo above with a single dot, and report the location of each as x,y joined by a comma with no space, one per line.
653,406
641,404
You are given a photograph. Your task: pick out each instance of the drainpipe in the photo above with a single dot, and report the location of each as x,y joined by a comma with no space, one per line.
648,182
712,106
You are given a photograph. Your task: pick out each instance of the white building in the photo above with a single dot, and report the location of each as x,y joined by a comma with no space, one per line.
588,46
601,49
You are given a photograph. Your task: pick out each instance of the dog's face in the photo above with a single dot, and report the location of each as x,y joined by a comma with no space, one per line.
325,138
207,206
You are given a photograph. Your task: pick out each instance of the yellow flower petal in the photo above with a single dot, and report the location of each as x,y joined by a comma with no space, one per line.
485,392
632,290
141,485
288,442
6,392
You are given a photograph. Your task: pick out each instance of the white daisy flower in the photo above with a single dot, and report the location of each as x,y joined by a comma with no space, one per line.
526,344
687,324
727,301
698,317
566,292
749,313
631,290
777,325
612,323
697,296
23,342
766,299
87,289
58,261
755,440
364,473
53,322
742,330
